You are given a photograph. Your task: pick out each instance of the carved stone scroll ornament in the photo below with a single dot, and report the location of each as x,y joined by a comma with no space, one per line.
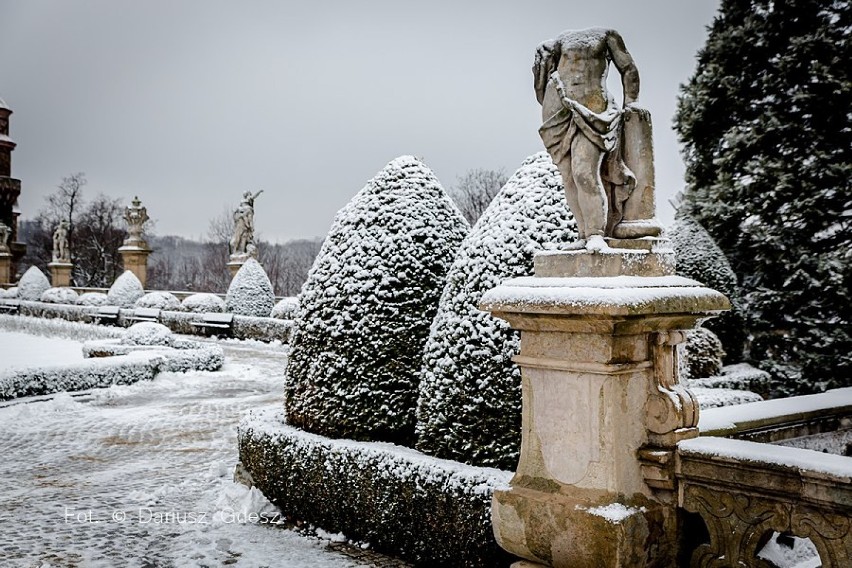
672,406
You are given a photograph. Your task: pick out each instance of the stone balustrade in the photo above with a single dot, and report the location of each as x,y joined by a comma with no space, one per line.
746,491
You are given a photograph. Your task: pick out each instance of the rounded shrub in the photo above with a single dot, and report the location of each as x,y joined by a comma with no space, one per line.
125,290
33,284
250,292
367,305
62,295
92,299
158,300
203,303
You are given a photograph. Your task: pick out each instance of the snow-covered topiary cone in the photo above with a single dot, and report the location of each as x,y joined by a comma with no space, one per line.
367,305
250,292
470,392
203,303
158,300
125,290
33,284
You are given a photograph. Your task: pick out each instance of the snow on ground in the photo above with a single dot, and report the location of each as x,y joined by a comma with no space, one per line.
20,350
141,475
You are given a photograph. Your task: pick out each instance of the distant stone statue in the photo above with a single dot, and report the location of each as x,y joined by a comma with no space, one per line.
5,235
61,252
583,129
242,242
135,215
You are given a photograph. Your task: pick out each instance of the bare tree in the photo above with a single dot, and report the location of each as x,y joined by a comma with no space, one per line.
100,233
65,202
474,191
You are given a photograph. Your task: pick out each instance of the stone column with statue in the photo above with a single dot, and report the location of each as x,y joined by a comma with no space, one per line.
603,409
134,251
5,254
242,245
61,266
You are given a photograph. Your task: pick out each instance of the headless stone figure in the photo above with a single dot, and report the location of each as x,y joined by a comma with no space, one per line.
582,130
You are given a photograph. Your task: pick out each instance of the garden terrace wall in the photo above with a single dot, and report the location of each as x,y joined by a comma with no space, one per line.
426,510
244,327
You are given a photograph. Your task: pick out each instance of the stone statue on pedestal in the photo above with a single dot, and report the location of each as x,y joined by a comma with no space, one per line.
135,215
5,235
242,243
591,139
61,252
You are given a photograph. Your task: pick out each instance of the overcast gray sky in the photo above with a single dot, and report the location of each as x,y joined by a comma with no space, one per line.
189,103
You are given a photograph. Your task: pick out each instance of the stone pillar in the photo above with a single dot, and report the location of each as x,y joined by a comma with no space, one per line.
134,257
602,407
5,268
60,273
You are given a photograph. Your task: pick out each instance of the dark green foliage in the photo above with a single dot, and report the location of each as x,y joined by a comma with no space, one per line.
700,258
425,510
367,306
765,126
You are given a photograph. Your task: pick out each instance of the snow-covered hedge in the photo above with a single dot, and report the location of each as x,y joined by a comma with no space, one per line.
32,284
716,397
470,393
125,290
60,296
367,305
429,511
95,373
158,300
93,299
181,356
286,308
203,303
250,292
9,293
148,333
700,258
741,376
702,354
57,327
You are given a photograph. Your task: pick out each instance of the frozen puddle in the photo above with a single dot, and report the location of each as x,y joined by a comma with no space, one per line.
21,350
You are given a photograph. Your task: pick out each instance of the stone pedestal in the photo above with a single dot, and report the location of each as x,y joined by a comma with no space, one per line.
134,257
5,268
60,274
235,262
602,407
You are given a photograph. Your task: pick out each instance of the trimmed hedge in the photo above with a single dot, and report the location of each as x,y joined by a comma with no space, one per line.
426,510
244,327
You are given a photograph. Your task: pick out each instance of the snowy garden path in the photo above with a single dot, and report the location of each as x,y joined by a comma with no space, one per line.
141,476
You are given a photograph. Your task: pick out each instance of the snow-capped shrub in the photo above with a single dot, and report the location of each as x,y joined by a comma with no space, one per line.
714,398
428,511
9,293
741,376
367,305
702,354
125,290
203,303
470,392
250,292
92,299
32,284
158,300
148,333
700,258
286,308
60,296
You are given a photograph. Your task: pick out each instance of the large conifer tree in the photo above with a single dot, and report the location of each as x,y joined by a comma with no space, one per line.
766,130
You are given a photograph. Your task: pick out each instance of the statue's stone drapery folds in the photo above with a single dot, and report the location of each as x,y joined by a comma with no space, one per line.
603,151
